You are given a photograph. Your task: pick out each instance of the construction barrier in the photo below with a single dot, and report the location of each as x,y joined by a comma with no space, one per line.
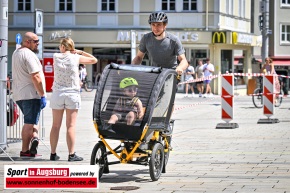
227,101
227,97
268,95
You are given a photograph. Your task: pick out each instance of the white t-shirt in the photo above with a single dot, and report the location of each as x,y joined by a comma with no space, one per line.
83,73
25,63
208,67
66,72
189,76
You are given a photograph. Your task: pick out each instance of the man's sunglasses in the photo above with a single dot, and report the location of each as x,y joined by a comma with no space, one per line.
34,41
132,89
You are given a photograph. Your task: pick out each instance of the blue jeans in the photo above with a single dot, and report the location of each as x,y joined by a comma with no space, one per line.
30,109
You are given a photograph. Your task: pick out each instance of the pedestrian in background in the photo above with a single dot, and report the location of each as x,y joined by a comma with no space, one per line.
208,69
66,94
199,74
268,68
28,91
189,73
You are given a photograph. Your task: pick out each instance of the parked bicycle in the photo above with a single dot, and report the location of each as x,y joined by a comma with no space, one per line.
257,97
87,85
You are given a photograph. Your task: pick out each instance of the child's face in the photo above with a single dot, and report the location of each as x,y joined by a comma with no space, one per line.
130,91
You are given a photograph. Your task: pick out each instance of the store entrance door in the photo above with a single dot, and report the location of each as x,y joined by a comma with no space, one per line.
226,61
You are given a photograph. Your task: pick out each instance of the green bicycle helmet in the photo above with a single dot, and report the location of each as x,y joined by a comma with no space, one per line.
129,81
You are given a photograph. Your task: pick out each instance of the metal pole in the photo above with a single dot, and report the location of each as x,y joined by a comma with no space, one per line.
133,44
265,31
3,71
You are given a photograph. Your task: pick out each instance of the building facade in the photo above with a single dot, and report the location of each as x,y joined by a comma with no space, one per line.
107,28
278,36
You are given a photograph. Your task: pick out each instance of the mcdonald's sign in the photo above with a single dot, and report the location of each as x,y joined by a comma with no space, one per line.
219,37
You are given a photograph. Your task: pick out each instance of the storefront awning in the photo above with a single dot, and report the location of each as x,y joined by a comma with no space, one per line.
281,62
236,62
276,61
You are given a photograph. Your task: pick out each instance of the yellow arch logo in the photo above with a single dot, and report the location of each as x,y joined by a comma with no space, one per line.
219,37
235,37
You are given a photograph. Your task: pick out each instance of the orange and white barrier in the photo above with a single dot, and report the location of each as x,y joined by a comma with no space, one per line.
227,97
268,95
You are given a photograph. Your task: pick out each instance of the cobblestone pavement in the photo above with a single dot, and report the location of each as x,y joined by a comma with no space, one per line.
251,158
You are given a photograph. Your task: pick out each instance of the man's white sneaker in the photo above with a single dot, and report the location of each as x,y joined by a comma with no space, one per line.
200,95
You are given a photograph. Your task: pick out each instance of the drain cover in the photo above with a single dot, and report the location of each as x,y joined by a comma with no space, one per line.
124,188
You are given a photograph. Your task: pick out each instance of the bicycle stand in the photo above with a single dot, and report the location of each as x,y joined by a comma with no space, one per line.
268,121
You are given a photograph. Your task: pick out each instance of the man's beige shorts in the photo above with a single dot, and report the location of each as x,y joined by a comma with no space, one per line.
65,100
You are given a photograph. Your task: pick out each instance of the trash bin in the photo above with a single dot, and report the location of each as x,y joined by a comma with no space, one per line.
251,86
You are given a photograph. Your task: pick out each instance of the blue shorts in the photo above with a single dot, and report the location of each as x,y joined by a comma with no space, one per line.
207,81
30,109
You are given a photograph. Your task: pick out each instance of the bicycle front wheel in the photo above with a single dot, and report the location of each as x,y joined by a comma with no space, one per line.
279,99
258,98
89,86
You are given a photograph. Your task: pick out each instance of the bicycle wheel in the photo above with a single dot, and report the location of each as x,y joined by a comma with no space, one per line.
258,98
279,98
98,157
89,86
156,161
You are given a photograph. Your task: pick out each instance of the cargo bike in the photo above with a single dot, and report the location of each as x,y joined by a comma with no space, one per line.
145,140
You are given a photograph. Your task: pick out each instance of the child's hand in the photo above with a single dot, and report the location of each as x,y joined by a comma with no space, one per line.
140,114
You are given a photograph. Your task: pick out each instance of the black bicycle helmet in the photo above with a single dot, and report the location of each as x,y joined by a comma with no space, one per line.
158,17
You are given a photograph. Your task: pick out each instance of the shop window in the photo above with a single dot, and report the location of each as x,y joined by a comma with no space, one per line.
242,8
108,5
189,5
229,6
168,5
65,5
24,5
239,68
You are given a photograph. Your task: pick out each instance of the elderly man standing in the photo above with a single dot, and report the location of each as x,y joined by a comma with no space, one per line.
28,91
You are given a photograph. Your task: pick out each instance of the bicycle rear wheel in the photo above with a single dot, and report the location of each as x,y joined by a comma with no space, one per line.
89,86
258,98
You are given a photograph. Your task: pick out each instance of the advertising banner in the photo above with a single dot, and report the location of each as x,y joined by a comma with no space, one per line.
51,177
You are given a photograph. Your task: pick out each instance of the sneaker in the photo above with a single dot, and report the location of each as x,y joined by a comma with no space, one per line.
28,154
204,96
25,154
34,144
74,157
54,157
200,95
192,95
185,96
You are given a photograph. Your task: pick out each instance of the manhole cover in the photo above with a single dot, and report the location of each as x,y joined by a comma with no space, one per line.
124,188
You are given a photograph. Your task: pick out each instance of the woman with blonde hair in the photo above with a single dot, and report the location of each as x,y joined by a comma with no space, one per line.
268,68
66,94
